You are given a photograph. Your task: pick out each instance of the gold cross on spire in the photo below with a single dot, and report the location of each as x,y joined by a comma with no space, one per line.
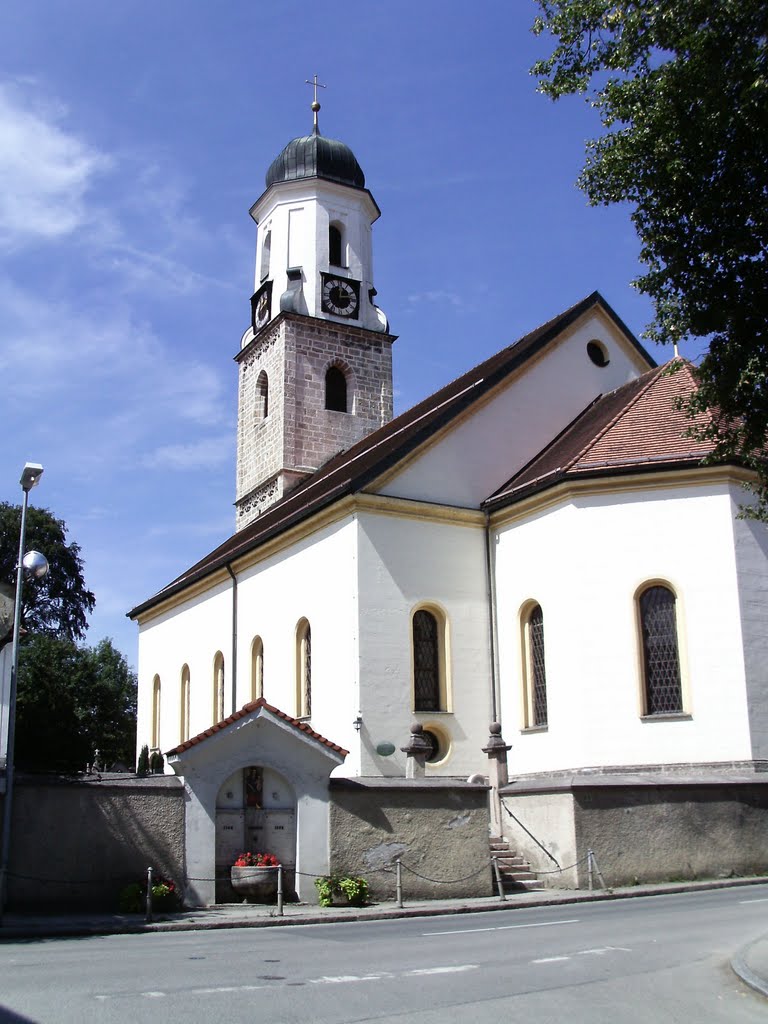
315,105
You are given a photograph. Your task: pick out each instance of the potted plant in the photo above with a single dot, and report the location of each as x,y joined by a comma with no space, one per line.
350,889
254,877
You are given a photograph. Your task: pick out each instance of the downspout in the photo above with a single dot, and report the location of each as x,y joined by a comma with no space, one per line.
234,637
492,630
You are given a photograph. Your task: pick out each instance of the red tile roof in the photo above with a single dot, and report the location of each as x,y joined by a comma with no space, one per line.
350,471
247,709
639,426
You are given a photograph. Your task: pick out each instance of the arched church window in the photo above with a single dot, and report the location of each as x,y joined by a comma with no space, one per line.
184,705
257,668
429,660
218,687
662,685
335,246
262,396
266,253
303,669
335,389
534,668
156,712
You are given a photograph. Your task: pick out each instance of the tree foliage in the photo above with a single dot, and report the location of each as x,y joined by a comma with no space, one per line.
72,701
59,604
681,87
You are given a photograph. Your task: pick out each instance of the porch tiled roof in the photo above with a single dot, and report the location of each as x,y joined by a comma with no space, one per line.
248,709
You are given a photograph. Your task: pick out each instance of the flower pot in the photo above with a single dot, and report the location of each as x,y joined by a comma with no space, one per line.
255,885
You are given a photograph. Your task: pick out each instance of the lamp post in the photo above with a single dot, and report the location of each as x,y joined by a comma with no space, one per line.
36,564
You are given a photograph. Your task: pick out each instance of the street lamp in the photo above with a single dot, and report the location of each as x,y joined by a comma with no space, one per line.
35,564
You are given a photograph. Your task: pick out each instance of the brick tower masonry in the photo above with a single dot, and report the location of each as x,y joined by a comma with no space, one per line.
285,430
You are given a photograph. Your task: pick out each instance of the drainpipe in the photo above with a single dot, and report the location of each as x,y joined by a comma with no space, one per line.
492,629
234,637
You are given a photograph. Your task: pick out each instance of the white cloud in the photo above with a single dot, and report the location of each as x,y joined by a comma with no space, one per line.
45,172
440,296
208,453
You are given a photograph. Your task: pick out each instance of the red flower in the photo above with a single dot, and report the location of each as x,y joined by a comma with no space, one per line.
257,860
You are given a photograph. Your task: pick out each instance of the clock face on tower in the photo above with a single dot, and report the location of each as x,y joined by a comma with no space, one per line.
261,306
340,296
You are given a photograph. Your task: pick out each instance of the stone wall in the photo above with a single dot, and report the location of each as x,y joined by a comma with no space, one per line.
76,842
438,828
655,826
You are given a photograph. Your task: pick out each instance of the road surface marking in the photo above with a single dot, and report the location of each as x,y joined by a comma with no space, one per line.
603,949
345,979
764,900
503,927
444,970
550,959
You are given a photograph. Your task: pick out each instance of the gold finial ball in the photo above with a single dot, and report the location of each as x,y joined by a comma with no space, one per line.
315,106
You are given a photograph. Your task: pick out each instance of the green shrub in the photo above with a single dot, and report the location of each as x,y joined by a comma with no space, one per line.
142,768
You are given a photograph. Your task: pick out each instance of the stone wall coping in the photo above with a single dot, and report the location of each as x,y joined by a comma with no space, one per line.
102,780
396,783
657,780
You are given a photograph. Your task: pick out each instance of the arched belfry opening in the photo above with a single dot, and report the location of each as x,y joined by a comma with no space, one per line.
336,389
336,246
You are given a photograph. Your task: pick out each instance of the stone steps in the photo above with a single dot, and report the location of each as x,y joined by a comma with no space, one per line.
516,874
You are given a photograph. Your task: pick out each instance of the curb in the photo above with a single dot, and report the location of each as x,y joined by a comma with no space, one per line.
742,970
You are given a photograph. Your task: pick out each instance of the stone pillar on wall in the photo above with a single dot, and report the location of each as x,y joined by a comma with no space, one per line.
498,775
416,752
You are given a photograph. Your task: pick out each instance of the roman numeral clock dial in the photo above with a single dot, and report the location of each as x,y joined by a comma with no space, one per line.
340,296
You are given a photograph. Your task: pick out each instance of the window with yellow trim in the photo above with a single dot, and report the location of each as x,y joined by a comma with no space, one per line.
662,683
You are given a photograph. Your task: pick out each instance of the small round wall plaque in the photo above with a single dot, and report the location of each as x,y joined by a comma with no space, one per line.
385,749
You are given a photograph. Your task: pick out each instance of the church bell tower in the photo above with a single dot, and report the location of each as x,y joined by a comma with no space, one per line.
315,365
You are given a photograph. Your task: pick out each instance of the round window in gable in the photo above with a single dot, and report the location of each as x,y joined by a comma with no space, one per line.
598,353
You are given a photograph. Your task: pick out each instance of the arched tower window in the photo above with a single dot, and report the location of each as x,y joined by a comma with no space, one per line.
184,705
303,669
218,687
534,668
335,389
156,712
662,686
428,637
266,253
262,396
257,668
335,246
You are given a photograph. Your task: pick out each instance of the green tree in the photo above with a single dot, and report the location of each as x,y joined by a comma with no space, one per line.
681,87
59,604
72,701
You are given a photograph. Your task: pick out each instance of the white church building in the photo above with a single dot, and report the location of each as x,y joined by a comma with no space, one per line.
537,544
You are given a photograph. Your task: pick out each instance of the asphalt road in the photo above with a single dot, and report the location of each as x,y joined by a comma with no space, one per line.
660,959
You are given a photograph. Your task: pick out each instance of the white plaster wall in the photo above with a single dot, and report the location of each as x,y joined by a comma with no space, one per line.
309,206
191,633
751,542
315,580
402,563
583,562
481,453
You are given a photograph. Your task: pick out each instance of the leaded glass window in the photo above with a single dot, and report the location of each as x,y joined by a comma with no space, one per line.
661,659
537,670
426,662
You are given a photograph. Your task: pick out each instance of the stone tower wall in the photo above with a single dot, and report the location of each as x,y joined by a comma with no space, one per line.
299,434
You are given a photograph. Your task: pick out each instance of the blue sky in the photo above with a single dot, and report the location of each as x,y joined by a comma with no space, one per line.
134,137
